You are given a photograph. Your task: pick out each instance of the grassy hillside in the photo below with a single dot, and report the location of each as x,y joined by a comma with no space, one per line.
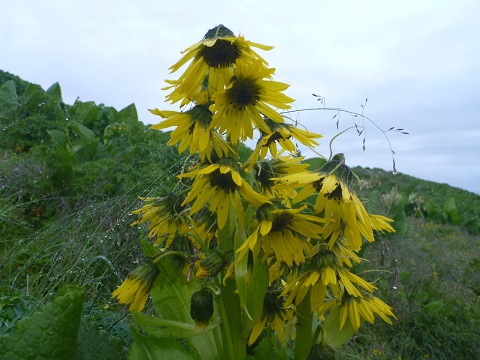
71,174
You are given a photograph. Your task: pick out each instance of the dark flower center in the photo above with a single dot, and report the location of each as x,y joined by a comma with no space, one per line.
275,137
272,304
222,54
223,181
281,221
244,92
323,259
200,114
336,194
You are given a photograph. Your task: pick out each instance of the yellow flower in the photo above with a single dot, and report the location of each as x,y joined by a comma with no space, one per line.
239,108
282,134
164,215
322,271
213,61
220,186
192,131
336,201
274,315
283,232
136,287
358,309
265,171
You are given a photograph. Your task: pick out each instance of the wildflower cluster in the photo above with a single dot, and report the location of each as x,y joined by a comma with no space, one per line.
267,226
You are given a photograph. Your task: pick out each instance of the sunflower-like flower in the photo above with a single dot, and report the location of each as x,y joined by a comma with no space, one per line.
359,309
221,185
265,171
336,201
283,232
136,287
345,255
282,134
213,61
239,108
323,270
381,223
192,131
274,315
164,216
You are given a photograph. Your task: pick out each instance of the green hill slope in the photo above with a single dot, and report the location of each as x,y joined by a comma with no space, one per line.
71,174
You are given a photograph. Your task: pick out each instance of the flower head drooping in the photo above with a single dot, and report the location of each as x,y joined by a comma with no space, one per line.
192,131
221,185
239,108
136,287
323,270
335,200
274,315
282,232
282,134
213,61
163,214
265,171
359,309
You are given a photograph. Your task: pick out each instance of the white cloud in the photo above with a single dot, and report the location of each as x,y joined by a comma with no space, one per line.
416,61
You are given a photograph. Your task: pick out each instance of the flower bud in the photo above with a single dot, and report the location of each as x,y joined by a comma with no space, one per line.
136,287
212,264
201,307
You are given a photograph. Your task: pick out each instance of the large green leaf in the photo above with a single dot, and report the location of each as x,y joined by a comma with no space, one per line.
86,113
171,297
58,332
98,344
335,336
55,92
159,327
47,334
129,114
85,134
450,210
152,348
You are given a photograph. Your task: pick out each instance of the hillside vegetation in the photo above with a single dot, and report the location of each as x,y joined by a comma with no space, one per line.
70,175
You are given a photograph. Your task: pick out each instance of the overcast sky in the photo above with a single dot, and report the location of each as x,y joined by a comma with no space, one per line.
417,62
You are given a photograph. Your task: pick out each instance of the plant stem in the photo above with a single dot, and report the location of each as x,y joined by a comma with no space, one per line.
303,339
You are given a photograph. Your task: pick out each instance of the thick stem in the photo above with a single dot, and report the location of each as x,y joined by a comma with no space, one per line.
234,346
303,338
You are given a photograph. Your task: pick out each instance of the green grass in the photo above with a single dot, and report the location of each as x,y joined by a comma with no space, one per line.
435,269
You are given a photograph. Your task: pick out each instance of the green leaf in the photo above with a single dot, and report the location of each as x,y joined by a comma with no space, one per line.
450,210
33,98
171,296
335,336
158,327
55,92
86,113
129,114
47,334
88,151
98,345
86,135
268,348
58,137
152,348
